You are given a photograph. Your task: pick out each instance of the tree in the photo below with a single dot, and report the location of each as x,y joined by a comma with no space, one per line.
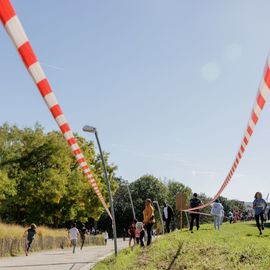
145,187
42,182
232,205
173,188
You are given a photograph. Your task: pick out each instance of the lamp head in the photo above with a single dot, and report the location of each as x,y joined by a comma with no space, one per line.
90,129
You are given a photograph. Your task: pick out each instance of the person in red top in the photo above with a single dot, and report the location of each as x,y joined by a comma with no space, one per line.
131,232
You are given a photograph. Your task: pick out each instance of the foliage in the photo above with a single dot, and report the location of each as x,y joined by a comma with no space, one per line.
145,187
174,188
149,186
232,205
40,180
236,246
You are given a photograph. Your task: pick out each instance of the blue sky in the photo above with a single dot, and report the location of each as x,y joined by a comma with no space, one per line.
169,84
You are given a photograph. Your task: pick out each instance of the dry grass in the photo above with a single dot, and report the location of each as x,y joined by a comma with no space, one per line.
13,239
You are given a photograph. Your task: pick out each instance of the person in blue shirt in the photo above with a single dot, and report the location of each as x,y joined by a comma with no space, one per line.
259,206
30,232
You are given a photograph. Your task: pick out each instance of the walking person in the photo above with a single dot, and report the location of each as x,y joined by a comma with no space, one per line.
131,232
259,206
167,216
235,216
230,216
31,232
73,235
124,234
195,202
139,234
83,231
217,212
106,237
148,219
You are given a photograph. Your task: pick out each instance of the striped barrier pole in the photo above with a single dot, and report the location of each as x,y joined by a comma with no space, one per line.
17,34
261,99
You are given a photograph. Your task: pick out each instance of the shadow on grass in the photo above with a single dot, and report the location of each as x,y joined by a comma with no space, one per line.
263,236
175,256
266,225
205,229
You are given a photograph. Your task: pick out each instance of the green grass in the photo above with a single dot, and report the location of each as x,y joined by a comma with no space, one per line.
236,246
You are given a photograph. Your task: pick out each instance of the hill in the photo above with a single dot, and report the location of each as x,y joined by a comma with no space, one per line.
236,246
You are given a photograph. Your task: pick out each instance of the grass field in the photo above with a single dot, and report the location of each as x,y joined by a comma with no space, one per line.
236,246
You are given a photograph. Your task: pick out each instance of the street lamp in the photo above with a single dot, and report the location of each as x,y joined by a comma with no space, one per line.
94,130
125,183
156,202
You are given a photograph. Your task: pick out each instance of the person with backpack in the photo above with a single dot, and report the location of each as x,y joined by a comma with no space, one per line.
217,212
31,232
195,202
259,206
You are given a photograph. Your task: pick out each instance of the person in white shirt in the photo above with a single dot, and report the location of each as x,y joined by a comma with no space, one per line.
73,236
217,212
106,237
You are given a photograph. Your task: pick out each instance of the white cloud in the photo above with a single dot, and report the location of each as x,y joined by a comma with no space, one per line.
211,71
234,52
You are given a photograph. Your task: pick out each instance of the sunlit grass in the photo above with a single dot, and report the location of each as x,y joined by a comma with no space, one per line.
11,231
236,246
13,239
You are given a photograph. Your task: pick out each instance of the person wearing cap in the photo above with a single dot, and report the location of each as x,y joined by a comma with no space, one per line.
31,232
148,219
195,202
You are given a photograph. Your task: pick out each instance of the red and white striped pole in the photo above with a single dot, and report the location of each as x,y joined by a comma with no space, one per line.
264,90
16,32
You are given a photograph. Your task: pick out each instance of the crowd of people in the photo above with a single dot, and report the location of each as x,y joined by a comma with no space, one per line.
141,232
217,212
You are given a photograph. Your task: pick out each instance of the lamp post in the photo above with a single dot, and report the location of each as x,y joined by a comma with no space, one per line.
125,183
160,215
94,130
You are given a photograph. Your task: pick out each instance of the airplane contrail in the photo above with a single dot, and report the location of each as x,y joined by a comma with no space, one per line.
52,66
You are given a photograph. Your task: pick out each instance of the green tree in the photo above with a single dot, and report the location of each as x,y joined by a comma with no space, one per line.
42,182
145,187
174,188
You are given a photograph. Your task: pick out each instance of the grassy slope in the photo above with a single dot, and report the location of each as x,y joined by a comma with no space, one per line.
236,246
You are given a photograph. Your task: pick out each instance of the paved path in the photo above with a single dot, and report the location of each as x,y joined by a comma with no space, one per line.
61,259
